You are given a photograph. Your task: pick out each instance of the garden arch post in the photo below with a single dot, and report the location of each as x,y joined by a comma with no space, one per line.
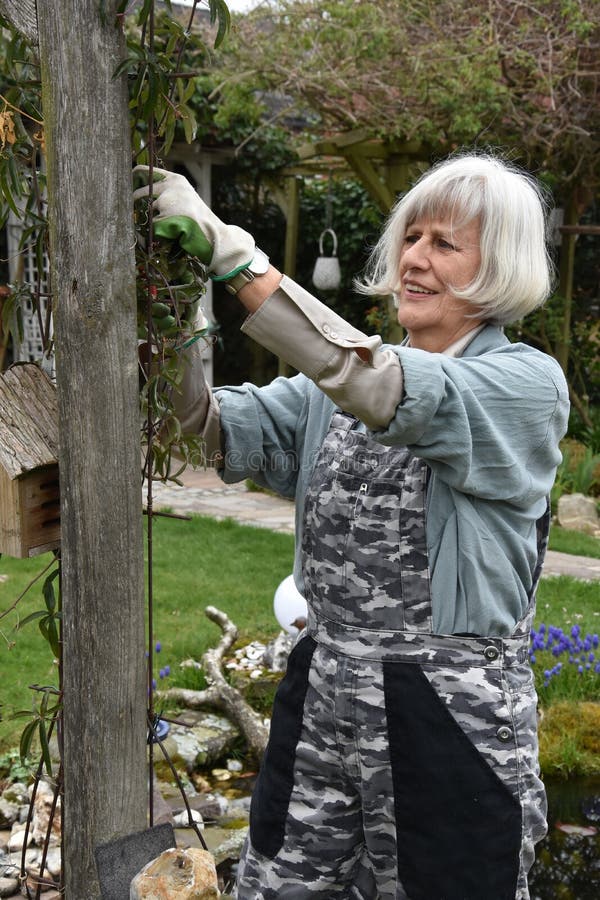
92,260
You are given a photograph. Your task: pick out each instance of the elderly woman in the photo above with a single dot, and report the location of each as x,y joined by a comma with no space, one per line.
402,759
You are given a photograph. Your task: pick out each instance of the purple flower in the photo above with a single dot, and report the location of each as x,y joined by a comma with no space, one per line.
575,631
158,647
580,669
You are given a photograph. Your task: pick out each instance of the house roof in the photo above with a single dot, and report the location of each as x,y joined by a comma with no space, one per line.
28,419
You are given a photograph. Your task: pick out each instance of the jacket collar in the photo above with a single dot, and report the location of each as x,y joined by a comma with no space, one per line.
491,337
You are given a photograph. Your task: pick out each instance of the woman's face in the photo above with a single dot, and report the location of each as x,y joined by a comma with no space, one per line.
434,255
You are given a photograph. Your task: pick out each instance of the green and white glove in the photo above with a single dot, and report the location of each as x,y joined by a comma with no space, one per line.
181,215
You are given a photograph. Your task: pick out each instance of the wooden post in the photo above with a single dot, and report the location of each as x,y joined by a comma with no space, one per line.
92,263
292,211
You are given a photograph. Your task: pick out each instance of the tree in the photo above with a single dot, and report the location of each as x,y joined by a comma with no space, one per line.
445,73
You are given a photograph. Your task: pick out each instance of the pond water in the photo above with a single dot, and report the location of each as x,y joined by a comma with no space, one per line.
567,865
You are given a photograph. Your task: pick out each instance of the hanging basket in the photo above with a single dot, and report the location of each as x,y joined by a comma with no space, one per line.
327,274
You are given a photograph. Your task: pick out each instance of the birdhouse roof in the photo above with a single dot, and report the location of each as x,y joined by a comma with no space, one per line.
28,419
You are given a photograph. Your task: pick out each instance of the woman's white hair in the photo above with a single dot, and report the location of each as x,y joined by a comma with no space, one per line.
516,272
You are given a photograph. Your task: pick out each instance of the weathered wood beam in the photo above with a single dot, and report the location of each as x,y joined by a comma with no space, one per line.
22,15
90,213
579,229
377,188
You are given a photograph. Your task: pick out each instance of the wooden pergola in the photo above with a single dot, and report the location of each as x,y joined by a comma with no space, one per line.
384,168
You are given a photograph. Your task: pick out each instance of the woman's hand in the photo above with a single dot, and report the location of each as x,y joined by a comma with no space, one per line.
181,215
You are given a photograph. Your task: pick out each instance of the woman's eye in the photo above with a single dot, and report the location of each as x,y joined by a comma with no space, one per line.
411,238
446,245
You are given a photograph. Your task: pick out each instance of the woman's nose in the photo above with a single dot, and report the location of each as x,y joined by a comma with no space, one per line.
415,255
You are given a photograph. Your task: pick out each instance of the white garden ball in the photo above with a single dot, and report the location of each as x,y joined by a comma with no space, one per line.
289,605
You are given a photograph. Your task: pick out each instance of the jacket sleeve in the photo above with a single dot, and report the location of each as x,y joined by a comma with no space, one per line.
488,425
352,369
196,407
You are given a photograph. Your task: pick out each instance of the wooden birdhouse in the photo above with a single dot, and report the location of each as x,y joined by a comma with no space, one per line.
29,487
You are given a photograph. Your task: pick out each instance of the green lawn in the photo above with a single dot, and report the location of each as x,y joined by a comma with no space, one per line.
200,563
197,563
567,541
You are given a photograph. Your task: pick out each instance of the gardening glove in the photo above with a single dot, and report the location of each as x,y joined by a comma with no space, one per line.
181,215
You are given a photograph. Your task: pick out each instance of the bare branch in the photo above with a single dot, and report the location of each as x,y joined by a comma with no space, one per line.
220,694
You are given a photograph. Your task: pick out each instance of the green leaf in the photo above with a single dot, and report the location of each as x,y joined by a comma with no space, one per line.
190,126
26,739
45,747
30,618
54,637
220,11
7,193
48,591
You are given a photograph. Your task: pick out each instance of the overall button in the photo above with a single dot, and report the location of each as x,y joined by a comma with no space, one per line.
491,653
504,733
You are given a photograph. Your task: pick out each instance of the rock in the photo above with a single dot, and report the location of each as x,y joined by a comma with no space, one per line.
17,836
42,807
13,798
579,513
232,847
210,806
8,887
161,809
54,862
9,813
177,875
182,819
202,744
16,792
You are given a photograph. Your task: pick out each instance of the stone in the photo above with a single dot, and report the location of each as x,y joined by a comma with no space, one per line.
182,819
17,836
579,513
8,887
42,807
210,806
54,862
177,875
12,799
9,813
16,793
199,744
231,848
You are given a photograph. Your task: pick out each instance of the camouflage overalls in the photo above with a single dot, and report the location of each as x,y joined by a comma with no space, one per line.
401,763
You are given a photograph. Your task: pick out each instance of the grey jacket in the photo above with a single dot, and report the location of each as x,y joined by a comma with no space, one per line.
487,423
